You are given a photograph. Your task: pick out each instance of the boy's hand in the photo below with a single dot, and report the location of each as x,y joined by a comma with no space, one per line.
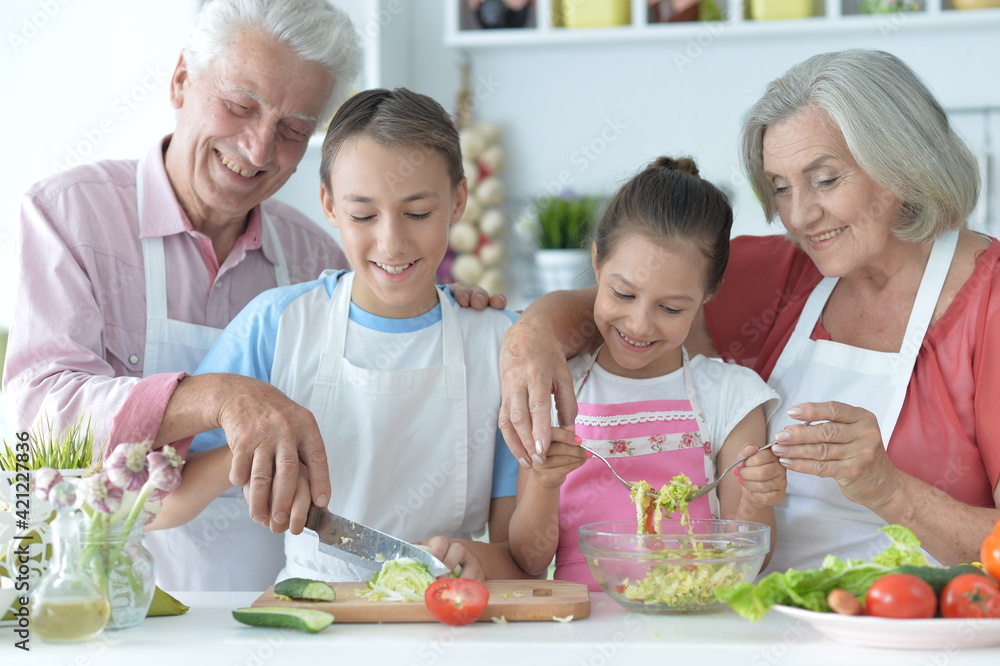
564,456
762,477
454,554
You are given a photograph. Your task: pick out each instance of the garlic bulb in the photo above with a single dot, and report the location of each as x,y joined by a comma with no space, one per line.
473,211
463,237
491,254
491,222
491,280
492,159
489,191
467,268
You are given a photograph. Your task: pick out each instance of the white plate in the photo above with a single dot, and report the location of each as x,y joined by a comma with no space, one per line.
936,633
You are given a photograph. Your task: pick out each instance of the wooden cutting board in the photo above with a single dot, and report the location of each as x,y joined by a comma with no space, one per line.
514,600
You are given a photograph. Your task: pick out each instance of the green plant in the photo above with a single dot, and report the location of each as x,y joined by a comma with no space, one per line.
69,448
888,6
565,221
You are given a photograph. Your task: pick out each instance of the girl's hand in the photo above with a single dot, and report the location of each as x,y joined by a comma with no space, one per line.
847,447
761,476
454,553
565,455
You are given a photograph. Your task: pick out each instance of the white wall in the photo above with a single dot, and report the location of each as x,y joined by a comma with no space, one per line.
554,100
83,80
90,81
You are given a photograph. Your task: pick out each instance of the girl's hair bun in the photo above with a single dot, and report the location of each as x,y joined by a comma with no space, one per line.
685,164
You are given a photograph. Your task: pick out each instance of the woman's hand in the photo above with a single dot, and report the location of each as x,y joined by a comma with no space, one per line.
846,447
454,553
761,476
532,368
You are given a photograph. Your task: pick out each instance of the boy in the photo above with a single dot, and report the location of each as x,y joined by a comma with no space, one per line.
383,358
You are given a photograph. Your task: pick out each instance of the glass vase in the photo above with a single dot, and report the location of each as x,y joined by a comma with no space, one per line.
115,558
67,606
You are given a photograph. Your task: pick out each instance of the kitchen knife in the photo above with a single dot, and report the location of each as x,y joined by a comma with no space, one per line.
362,546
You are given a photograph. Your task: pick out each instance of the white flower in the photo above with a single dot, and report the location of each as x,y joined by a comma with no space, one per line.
101,494
127,467
46,479
63,495
165,469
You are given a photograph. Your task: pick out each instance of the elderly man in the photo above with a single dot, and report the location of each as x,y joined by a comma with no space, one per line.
130,269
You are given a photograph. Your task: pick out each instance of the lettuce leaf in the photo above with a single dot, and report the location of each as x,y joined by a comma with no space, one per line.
808,589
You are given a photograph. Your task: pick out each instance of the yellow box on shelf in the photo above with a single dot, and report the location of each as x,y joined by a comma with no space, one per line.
591,13
763,10
975,4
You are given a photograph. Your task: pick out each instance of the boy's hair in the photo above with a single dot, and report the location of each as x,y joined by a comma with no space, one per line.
395,118
315,30
669,202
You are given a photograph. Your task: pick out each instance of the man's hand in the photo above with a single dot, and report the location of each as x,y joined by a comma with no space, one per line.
270,435
476,297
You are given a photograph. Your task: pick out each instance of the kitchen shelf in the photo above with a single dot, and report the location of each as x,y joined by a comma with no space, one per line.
838,16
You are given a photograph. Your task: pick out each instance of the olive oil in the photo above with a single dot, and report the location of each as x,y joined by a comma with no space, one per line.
64,620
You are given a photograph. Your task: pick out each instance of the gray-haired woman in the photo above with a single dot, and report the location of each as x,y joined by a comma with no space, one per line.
875,317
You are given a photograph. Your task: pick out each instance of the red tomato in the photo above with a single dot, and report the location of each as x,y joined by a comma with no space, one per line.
650,526
970,595
989,554
901,596
456,600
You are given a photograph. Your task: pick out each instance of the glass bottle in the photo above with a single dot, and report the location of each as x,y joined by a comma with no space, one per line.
68,605
115,558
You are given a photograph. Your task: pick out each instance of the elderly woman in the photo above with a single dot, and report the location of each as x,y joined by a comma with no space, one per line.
875,317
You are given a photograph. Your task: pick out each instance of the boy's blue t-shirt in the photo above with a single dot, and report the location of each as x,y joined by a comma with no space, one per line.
247,347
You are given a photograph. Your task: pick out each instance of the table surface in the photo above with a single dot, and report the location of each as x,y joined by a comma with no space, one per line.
208,635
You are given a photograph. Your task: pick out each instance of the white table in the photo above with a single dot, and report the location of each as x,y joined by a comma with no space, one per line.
207,634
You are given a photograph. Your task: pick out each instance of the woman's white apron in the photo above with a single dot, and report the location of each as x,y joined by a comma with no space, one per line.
815,518
404,468
221,549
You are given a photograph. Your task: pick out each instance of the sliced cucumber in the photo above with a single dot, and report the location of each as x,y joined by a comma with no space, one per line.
303,619
304,588
938,577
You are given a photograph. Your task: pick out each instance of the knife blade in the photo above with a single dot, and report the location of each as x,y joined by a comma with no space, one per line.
363,546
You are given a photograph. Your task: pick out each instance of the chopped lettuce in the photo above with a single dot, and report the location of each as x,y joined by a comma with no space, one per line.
403,579
688,585
808,589
672,498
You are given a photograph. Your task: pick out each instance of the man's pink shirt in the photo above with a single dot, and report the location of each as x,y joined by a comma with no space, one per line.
78,338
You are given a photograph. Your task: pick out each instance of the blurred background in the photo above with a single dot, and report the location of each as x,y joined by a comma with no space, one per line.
575,96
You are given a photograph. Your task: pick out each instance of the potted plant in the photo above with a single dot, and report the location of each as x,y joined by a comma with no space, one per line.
562,226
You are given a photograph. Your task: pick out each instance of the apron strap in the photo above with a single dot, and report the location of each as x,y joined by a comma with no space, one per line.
280,268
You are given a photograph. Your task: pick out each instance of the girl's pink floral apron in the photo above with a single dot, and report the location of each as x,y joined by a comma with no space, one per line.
650,440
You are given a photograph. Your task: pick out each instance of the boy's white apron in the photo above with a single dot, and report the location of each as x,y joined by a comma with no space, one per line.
221,549
815,518
414,484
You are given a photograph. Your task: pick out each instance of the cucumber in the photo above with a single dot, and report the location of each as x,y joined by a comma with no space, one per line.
304,588
303,619
938,577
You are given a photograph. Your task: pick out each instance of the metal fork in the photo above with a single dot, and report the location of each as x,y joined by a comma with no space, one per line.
704,490
605,461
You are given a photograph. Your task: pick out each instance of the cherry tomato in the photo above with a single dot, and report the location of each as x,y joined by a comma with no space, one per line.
970,595
650,526
456,601
901,596
989,554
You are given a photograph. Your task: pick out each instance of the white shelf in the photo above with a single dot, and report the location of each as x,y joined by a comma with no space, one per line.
934,16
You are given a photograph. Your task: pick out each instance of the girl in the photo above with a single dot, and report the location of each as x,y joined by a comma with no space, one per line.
659,254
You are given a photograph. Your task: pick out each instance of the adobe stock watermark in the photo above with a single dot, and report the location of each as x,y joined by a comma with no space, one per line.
122,106
33,23
697,44
587,153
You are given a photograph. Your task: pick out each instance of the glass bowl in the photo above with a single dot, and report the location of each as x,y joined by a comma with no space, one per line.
678,570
